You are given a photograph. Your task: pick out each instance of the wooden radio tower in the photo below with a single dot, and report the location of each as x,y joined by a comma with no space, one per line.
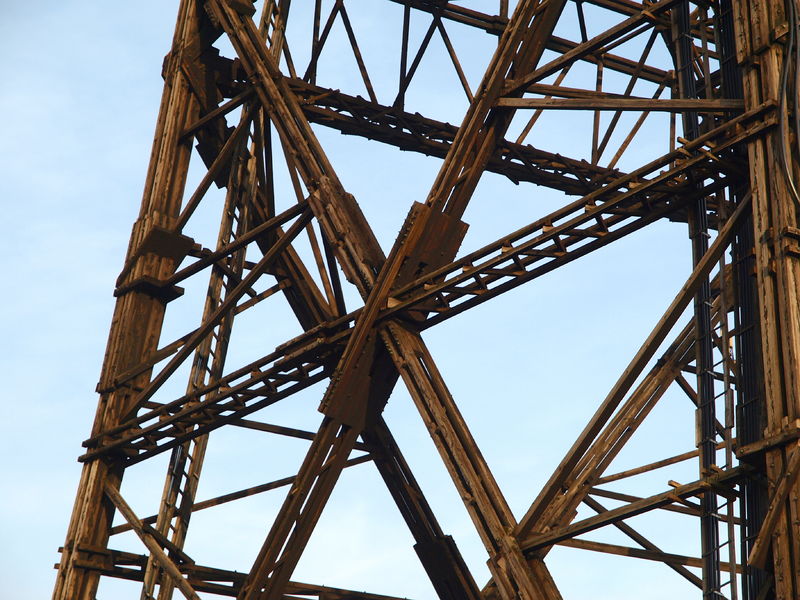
247,93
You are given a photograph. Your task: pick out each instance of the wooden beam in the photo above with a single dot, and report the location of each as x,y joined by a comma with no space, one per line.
618,431
213,319
665,557
360,257
138,315
148,540
536,542
590,46
645,543
776,509
631,104
646,352
437,552
482,263
245,493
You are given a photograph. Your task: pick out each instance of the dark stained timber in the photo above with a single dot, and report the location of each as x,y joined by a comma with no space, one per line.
250,93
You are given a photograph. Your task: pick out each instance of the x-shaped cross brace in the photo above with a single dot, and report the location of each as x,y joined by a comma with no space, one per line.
374,355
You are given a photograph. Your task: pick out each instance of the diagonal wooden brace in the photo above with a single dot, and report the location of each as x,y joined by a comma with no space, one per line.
437,552
468,469
533,518
152,545
760,548
361,259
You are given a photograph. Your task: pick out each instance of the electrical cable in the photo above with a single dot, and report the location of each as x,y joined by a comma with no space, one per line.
783,91
796,24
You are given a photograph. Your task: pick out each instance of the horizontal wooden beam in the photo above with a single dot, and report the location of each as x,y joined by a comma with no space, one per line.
353,115
301,362
688,490
665,557
221,582
231,496
636,104
789,433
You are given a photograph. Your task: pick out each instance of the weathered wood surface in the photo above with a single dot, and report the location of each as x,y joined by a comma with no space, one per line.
736,173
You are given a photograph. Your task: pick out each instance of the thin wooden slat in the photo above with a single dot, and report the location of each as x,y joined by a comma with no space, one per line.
634,104
147,539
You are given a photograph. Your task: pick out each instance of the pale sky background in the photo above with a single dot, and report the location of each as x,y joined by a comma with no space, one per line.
79,97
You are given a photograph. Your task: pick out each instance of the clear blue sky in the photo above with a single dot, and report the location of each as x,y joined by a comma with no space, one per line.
79,98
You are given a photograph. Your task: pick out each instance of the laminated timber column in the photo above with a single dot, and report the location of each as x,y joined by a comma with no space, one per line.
766,37
154,252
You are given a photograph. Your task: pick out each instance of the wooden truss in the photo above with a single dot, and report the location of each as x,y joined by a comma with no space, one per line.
730,175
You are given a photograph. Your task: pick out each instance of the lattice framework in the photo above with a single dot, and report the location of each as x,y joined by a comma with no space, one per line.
728,172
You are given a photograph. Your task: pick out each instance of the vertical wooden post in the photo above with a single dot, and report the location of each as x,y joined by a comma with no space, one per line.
765,34
138,315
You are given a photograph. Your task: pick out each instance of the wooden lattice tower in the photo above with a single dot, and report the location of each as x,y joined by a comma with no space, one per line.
726,71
